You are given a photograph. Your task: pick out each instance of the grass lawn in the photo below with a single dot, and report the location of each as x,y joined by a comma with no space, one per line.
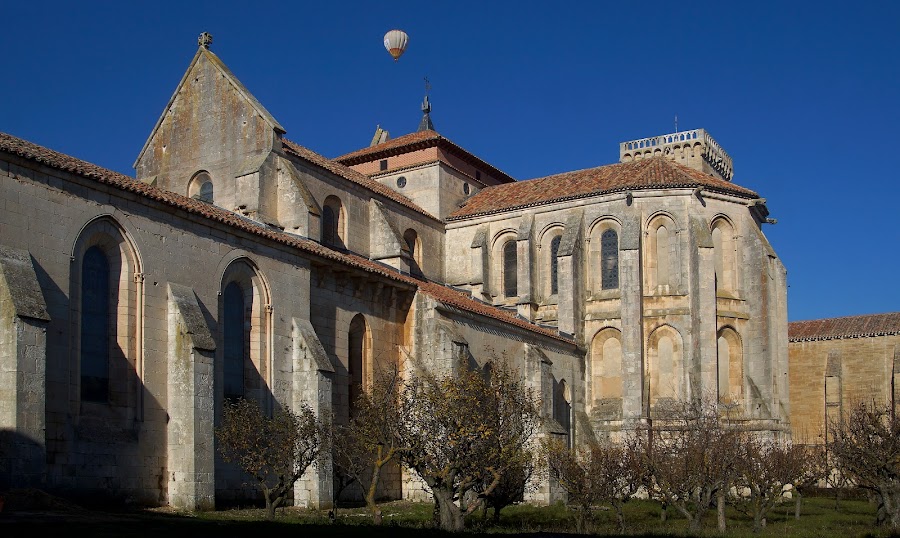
820,519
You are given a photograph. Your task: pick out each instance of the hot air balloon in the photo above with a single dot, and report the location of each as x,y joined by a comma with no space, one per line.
395,42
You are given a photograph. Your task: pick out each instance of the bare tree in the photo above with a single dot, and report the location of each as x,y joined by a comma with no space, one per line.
275,450
692,455
599,474
371,439
465,431
764,468
865,447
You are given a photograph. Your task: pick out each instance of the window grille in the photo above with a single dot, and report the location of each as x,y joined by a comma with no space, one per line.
609,260
554,267
510,269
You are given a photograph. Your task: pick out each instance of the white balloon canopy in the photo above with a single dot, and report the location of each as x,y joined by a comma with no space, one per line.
395,42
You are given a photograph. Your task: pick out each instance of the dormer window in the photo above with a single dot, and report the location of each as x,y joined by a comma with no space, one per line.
383,165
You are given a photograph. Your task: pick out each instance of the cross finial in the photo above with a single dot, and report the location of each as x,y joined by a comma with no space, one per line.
205,40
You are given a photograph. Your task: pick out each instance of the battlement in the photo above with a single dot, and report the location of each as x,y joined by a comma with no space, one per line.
695,148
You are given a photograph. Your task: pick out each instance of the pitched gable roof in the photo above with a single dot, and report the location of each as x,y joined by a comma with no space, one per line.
352,175
203,52
416,141
59,161
844,327
654,173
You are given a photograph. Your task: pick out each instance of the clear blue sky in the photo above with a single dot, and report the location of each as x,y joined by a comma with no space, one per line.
804,96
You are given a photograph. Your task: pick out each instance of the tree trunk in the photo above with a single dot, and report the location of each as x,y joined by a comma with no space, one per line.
451,517
270,508
664,512
496,515
720,510
620,518
797,505
758,522
370,495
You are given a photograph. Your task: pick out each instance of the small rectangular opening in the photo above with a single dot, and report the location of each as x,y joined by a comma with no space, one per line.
383,164
478,175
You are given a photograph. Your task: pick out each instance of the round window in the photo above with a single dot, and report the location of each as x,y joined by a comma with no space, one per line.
401,181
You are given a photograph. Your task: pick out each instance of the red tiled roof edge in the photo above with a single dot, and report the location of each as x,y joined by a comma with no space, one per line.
868,325
689,178
60,161
416,141
350,174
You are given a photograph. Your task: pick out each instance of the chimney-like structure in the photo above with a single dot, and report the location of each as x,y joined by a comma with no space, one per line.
696,149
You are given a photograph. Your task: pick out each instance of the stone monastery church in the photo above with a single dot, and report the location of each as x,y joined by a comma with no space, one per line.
614,290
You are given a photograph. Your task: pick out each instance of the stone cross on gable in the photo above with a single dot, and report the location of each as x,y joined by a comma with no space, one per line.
205,40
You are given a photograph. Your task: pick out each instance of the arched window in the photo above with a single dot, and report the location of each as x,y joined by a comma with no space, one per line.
415,251
724,243
662,256
358,359
236,340
730,379
562,408
333,225
106,284
243,360
606,365
663,366
201,187
609,260
554,266
510,269
95,325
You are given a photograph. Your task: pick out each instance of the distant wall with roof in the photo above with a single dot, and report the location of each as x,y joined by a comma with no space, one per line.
830,371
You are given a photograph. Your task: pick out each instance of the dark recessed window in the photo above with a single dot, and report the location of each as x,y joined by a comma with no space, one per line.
554,259
95,325
466,188
401,181
510,269
383,164
478,175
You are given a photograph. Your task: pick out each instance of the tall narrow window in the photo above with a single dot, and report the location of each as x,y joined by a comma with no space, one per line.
562,408
333,226
510,270
235,340
554,268
662,256
328,225
415,251
609,260
358,360
95,326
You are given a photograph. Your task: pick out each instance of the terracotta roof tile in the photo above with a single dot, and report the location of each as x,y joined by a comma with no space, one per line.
350,174
653,173
60,161
416,141
845,327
